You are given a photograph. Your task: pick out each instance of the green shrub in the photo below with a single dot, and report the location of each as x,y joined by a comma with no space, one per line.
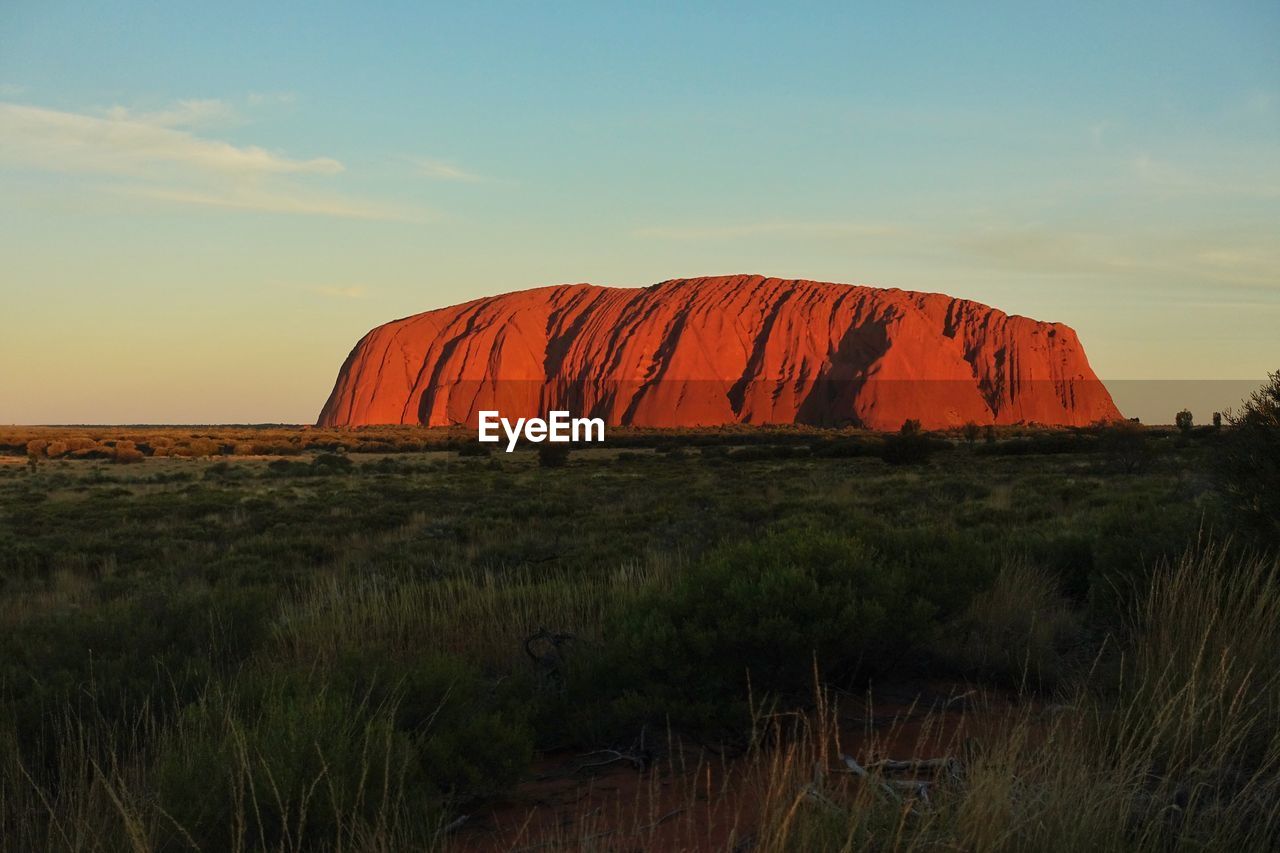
760,614
155,648
289,467
305,756
1128,542
553,455
1054,442
756,452
472,742
909,446
388,465
847,447
1126,445
332,463
1248,462
226,471
293,767
1019,631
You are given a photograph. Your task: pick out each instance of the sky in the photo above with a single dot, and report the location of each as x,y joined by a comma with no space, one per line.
204,206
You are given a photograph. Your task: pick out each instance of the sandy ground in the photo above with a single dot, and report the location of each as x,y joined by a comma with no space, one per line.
692,797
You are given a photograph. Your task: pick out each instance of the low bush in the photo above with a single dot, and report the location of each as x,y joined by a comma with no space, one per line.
332,463
757,617
294,758
553,455
909,446
285,775
756,452
152,648
1044,442
226,471
289,467
126,452
845,447
471,739
1018,632
1126,445
1248,463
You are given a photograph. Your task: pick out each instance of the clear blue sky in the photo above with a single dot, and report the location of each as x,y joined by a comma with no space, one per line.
203,206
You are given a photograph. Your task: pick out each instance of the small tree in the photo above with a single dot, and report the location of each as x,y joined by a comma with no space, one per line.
1184,421
970,431
1126,444
1249,461
909,447
1217,420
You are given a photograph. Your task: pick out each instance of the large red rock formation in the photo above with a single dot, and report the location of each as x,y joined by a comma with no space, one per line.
709,351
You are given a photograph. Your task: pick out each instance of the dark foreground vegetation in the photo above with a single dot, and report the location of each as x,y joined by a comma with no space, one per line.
350,640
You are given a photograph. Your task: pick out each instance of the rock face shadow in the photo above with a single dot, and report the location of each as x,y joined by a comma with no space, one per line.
832,400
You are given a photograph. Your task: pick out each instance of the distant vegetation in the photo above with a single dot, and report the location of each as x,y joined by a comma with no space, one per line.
909,445
312,639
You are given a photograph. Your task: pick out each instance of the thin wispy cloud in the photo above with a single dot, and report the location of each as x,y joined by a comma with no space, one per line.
190,113
1260,103
328,291
353,292
1239,259
441,170
166,156
76,142
254,199
1170,177
258,99
764,229
1243,261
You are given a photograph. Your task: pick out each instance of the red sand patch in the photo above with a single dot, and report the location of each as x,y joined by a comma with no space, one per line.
694,798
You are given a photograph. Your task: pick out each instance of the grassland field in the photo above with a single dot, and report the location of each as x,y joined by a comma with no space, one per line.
298,639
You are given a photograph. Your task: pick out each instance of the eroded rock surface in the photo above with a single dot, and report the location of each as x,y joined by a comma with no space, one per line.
724,350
